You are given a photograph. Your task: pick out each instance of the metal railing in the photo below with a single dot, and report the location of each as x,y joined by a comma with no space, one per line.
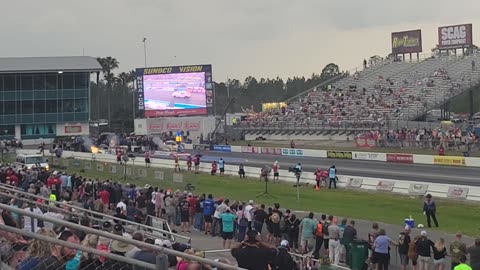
111,236
109,217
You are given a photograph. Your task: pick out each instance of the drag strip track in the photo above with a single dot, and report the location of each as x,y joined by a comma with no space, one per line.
412,172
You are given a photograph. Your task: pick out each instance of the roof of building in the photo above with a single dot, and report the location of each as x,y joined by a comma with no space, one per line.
48,64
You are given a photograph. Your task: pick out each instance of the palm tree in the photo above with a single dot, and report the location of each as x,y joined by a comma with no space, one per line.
108,65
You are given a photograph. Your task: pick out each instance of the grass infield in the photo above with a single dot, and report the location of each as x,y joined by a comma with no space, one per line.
375,206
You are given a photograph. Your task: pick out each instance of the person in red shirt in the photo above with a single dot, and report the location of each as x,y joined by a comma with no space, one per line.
276,167
214,168
193,201
105,196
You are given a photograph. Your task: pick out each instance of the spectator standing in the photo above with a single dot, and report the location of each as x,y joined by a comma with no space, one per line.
228,220
170,208
474,252
208,209
430,209
214,168
189,163
259,217
293,231
31,224
381,250
424,246
457,249
334,247
242,223
276,217
439,253
319,237
307,233
403,245
159,202
249,209
326,234
349,235
184,206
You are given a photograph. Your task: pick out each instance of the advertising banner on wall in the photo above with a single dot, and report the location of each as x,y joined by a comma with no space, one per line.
369,156
292,152
455,36
407,42
339,154
222,148
449,160
400,158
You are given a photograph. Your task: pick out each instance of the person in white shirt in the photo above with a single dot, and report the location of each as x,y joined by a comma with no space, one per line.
27,221
122,206
248,212
52,214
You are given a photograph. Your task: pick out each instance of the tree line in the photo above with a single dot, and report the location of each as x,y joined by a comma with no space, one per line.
113,97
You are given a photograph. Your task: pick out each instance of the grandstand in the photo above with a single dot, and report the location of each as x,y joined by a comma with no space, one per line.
378,97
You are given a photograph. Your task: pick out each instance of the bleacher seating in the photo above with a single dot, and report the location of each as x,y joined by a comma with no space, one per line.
370,98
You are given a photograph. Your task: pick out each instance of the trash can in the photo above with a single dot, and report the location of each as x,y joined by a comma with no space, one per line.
410,222
358,254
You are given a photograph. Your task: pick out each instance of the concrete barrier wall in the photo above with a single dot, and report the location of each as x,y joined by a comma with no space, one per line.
372,156
345,181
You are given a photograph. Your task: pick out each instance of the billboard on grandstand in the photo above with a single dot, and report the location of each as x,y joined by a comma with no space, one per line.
407,42
455,36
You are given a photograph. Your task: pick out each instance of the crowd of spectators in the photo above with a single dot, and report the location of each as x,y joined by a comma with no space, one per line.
448,138
360,101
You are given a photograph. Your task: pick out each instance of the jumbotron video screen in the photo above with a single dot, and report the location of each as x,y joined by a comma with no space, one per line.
173,91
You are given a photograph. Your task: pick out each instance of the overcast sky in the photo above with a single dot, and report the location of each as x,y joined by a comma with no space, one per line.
263,38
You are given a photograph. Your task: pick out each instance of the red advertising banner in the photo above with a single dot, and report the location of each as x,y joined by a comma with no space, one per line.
249,149
400,158
175,112
407,42
271,150
455,36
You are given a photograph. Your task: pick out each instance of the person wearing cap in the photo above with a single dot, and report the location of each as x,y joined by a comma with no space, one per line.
283,260
249,209
457,249
424,247
403,244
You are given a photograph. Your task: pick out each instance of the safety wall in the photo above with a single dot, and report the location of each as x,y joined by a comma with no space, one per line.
372,156
410,188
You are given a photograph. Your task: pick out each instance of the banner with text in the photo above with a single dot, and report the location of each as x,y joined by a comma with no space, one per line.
271,150
250,149
339,154
400,158
449,160
455,36
457,192
369,156
407,42
222,148
292,152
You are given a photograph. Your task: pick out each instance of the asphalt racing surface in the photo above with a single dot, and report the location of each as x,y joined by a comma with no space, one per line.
469,176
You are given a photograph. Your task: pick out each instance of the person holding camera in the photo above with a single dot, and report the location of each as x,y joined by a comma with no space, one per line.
253,253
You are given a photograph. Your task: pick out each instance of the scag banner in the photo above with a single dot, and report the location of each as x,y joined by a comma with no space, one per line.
448,160
455,36
407,42
339,154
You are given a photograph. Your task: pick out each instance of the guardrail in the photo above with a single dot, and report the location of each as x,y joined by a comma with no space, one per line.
173,236
111,236
460,192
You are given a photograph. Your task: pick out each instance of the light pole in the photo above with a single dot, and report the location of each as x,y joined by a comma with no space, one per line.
145,50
